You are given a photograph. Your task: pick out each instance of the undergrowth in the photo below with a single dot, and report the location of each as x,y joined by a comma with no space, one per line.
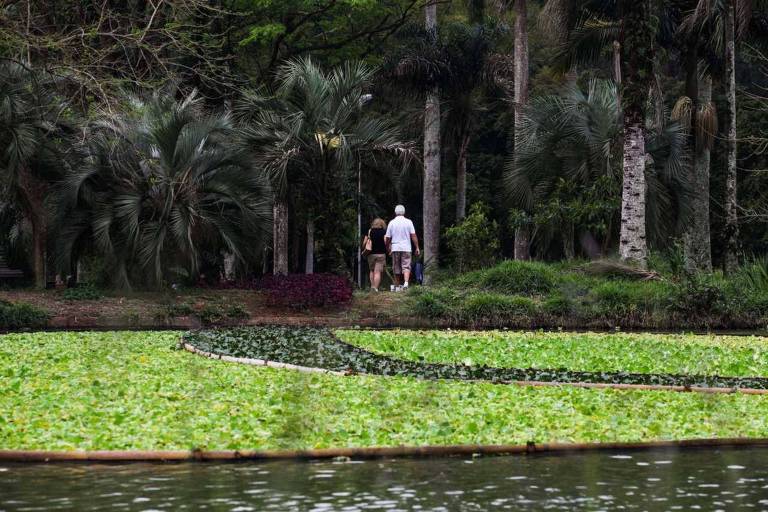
518,293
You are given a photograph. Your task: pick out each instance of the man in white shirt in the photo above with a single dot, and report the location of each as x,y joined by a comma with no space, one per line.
400,234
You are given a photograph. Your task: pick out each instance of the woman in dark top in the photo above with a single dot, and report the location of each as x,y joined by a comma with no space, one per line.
377,259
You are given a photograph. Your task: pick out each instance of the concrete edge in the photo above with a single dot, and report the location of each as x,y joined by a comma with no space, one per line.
366,453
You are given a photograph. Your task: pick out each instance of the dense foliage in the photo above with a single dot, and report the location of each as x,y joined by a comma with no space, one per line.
533,294
323,93
14,316
163,191
106,390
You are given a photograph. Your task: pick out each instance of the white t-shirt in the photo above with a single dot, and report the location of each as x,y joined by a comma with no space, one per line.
399,231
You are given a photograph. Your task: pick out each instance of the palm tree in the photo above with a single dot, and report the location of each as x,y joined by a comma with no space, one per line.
629,23
522,234
310,136
723,23
467,52
163,189
30,161
637,47
566,171
431,200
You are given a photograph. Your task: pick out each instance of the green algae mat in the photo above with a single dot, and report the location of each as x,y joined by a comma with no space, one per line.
134,390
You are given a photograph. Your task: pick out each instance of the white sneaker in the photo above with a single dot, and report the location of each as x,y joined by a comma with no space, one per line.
405,286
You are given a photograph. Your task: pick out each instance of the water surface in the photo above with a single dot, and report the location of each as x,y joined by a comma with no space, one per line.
654,481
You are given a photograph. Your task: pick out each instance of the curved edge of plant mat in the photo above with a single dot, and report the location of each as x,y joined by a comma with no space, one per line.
531,383
260,362
366,453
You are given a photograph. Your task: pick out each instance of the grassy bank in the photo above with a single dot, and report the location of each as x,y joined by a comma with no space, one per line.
597,295
733,356
134,391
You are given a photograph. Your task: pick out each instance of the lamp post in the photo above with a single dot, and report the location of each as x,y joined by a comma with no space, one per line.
365,98
359,224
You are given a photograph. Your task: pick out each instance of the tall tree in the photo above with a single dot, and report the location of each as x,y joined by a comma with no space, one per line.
431,199
637,47
696,112
731,197
30,159
522,233
309,136
163,188
723,23
567,174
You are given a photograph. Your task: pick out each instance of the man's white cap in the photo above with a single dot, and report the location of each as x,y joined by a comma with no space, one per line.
399,210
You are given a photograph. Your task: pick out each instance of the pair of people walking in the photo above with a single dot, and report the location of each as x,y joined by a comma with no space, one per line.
397,238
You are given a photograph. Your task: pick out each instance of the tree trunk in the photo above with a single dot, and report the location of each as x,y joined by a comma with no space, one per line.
431,207
569,243
522,234
34,192
309,262
632,242
523,243
39,237
461,179
637,47
617,63
280,238
731,201
697,244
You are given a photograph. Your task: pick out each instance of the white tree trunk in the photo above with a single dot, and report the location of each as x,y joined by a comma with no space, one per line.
632,243
229,266
280,238
431,200
731,201
309,261
522,235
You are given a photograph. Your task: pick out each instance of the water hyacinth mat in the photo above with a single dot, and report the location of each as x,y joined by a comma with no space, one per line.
321,348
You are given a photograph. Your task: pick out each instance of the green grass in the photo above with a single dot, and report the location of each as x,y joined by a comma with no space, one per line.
732,356
133,391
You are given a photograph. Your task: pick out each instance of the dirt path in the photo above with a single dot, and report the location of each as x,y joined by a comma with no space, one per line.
189,309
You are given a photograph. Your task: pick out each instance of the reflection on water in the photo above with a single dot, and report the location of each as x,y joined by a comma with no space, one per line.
658,480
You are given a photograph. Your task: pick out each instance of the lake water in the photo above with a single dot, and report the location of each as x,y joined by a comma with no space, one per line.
724,479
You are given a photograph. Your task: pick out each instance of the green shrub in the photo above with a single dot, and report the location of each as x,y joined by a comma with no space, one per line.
21,316
236,311
486,306
558,305
429,304
754,275
613,298
513,277
474,243
84,291
699,296
211,314
182,309
621,298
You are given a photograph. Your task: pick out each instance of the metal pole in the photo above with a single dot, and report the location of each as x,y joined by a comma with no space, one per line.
359,225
